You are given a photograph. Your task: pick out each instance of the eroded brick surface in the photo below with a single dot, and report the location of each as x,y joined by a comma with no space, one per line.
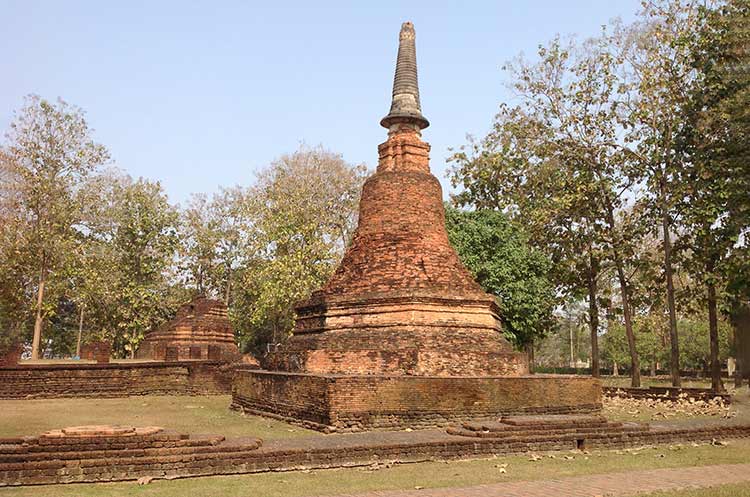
401,301
401,334
114,379
382,402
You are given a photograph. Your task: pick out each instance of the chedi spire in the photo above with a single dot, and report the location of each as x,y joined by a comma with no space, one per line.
405,106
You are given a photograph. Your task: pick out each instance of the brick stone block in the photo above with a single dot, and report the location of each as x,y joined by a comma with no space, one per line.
171,353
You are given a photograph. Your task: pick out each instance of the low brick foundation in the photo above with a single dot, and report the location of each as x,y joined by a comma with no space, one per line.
45,460
380,402
43,381
88,454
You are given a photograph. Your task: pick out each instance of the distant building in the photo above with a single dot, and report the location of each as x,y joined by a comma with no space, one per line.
201,330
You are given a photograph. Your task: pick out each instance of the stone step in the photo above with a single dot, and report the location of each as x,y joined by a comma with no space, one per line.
554,419
505,426
539,435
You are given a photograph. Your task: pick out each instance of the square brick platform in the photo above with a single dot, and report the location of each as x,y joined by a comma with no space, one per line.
370,402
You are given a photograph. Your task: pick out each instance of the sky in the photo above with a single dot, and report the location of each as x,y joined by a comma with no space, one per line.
200,95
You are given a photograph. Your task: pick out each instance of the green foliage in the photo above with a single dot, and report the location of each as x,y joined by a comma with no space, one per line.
214,235
123,272
498,254
49,153
144,241
715,205
652,335
303,211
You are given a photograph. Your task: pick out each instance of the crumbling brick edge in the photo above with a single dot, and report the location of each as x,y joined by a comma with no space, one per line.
245,456
112,380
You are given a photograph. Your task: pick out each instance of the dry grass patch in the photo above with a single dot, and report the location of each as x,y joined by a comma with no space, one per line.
186,414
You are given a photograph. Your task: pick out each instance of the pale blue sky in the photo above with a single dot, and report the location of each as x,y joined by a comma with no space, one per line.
199,95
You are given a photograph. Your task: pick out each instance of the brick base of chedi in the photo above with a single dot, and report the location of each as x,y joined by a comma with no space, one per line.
402,335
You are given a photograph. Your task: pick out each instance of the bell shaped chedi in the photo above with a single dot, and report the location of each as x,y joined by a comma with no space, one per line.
401,301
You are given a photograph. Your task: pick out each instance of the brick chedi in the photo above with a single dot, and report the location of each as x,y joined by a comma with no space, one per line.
401,334
401,301
200,330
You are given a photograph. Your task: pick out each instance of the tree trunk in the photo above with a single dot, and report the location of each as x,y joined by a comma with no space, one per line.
36,341
80,333
713,334
593,273
570,333
229,286
635,363
530,354
674,357
738,363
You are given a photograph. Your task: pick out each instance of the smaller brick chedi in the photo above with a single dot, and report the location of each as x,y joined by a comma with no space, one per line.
200,330
401,334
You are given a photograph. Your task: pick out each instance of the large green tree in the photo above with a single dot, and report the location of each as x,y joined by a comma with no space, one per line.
498,254
555,162
303,210
716,180
125,275
50,151
15,276
655,72
214,238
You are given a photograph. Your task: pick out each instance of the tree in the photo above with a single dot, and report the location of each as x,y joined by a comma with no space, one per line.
234,228
125,275
144,238
657,70
214,235
498,254
50,152
717,177
14,262
200,236
556,163
303,211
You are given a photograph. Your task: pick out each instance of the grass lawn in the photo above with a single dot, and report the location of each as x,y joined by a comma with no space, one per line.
408,476
209,414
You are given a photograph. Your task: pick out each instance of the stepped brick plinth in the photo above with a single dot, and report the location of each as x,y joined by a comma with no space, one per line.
200,326
401,334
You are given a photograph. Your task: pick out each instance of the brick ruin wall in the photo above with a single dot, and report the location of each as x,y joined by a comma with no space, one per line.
26,461
114,379
353,403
